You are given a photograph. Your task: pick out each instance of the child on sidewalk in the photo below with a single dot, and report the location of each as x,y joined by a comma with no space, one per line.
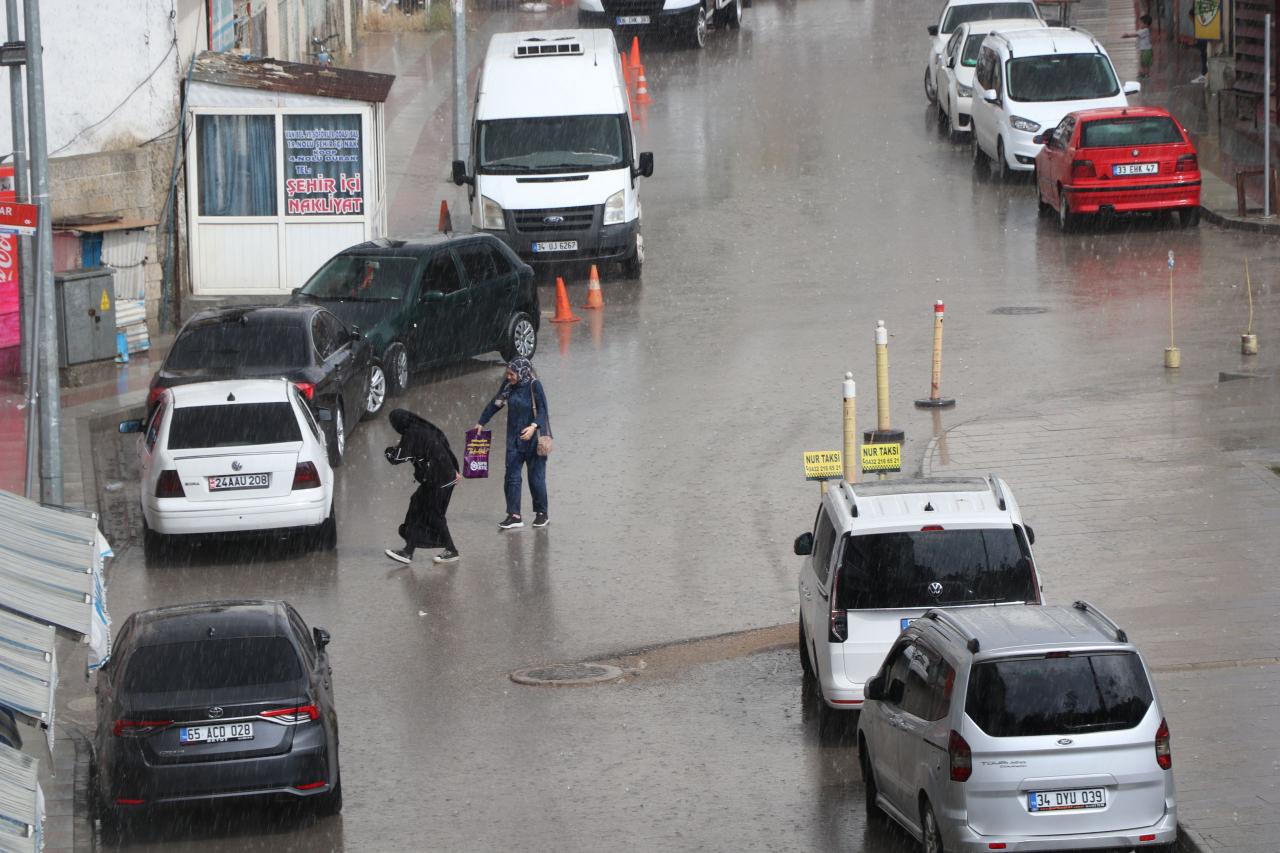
1143,35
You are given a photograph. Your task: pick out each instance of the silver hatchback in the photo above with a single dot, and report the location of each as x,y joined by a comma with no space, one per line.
1018,728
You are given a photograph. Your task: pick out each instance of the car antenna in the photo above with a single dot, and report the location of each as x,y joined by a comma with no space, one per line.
231,398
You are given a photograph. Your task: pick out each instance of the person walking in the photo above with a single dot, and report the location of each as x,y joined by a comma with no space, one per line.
528,426
436,470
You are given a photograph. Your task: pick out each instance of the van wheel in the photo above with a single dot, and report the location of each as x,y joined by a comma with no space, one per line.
632,266
1002,162
931,836
395,362
806,665
870,790
335,435
522,337
697,34
730,16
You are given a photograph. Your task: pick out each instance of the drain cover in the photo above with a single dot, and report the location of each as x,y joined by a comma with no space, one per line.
566,674
1018,310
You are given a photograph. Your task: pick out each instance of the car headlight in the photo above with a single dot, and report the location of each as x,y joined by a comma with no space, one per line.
1023,124
490,214
615,209
964,91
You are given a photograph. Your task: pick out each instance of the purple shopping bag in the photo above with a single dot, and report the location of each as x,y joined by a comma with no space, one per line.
475,459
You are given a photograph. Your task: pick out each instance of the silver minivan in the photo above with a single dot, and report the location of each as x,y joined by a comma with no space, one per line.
1033,728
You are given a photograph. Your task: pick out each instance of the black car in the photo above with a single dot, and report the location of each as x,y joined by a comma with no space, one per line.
331,363
430,302
215,701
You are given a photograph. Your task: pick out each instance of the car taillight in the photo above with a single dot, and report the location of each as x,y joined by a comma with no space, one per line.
960,757
1164,754
122,728
308,389
1082,169
305,476
154,395
169,485
1188,163
298,714
839,622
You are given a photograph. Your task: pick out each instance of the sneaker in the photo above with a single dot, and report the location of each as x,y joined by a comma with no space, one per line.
446,557
511,522
1200,79
541,520
400,555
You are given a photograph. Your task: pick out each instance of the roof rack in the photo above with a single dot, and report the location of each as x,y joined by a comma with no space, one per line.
998,491
1086,607
971,642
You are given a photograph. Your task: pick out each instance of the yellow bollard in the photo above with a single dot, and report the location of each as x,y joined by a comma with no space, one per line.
882,376
936,400
851,460
1172,358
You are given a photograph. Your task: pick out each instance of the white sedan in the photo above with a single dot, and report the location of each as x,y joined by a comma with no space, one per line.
955,67
957,12
239,455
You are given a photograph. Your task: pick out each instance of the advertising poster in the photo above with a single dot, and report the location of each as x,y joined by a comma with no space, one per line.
324,165
1208,16
9,322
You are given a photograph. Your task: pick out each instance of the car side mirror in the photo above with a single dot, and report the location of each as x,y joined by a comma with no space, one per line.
324,414
1031,534
1132,87
645,167
874,689
321,637
1040,139
297,291
460,175
933,29
991,96
129,426
432,296
803,545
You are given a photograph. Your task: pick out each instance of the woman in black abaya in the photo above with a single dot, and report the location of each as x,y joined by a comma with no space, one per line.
436,470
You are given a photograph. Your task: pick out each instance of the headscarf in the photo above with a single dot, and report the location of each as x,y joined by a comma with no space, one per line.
419,437
525,374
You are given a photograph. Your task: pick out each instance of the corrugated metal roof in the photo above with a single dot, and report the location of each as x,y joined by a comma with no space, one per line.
274,75
28,669
21,802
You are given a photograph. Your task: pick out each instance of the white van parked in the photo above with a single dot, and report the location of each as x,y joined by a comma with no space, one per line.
553,154
687,20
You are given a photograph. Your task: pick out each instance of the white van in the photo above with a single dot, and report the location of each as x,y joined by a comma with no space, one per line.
1027,80
553,162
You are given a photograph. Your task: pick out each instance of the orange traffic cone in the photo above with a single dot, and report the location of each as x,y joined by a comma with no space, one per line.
595,299
446,221
564,314
635,53
642,89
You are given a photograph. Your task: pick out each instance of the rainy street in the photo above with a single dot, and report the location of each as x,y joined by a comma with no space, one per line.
801,193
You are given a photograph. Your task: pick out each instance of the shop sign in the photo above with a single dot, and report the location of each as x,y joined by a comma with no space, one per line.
324,164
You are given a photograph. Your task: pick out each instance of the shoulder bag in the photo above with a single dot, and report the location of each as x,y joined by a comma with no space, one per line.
544,441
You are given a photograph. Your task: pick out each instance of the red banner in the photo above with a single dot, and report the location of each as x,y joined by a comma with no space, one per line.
9,323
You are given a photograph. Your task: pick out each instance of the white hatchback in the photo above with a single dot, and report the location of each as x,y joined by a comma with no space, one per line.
955,67
956,12
239,455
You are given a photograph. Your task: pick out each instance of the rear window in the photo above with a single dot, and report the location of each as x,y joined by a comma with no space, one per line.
1050,696
958,15
935,568
233,425
212,665
1124,132
235,346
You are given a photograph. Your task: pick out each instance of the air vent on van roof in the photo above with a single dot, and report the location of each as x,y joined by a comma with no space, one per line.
560,47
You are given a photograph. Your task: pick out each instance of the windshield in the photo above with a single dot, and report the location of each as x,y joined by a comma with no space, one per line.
1117,132
932,568
1062,77
234,425
973,44
223,345
1061,695
212,665
958,15
580,143
362,278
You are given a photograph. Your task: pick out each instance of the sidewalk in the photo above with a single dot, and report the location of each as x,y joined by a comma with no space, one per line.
1169,87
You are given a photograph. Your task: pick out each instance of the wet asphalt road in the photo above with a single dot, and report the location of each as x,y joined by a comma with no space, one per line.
801,193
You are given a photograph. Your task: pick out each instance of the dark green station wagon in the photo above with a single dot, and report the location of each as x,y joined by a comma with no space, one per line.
430,302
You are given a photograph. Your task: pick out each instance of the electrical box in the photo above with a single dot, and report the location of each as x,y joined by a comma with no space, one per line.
86,315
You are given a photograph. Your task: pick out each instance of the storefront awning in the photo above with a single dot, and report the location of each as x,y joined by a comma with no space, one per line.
28,670
21,803
51,569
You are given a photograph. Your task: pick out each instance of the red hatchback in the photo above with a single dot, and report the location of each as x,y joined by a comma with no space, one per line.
1118,159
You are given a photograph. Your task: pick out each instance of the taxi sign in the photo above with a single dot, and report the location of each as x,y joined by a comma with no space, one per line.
882,457
823,465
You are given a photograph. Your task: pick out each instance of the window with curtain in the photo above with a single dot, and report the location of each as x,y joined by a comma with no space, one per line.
237,165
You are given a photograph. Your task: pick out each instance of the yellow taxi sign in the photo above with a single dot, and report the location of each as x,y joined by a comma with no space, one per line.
882,457
823,464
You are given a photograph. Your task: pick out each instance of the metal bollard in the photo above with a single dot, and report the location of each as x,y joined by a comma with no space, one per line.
936,400
1172,357
850,430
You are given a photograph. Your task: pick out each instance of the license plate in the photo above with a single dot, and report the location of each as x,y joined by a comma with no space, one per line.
1135,168
631,20
557,246
219,733
239,481
1065,801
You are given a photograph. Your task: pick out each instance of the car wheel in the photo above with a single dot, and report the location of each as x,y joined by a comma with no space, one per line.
330,804
1189,217
870,790
335,435
1042,207
806,665
930,88
696,37
377,395
634,265
396,368
1002,162
944,121
1066,219
325,537
931,836
521,339
979,156
730,16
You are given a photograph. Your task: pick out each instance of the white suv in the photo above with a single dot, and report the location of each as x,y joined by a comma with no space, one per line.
1027,80
1002,728
882,553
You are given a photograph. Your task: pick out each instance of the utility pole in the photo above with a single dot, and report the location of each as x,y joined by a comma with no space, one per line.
46,304
460,143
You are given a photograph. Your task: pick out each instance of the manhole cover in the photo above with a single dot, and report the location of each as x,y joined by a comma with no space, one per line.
1019,310
564,674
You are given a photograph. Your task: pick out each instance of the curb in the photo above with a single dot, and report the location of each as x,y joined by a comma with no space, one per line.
1189,841
1256,226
